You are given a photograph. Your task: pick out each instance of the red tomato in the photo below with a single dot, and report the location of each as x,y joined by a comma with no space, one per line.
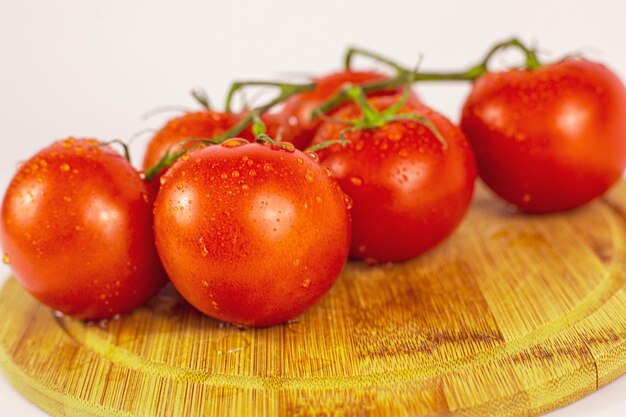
249,233
297,125
409,192
549,139
199,125
77,230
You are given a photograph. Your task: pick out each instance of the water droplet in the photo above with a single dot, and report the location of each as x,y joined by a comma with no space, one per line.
67,199
356,181
180,186
79,228
309,176
224,176
235,174
288,146
5,259
348,201
328,171
306,283
204,252
312,155
234,142
245,187
162,180
39,179
205,284
296,261
318,199
300,160
267,167
252,173
64,167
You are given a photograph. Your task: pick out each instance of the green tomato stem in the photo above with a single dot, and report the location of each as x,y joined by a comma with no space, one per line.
403,75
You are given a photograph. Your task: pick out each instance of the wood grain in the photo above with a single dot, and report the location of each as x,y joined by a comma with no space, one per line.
513,316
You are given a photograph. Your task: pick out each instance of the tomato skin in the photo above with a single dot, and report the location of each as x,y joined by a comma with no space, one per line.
77,230
408,192
550,139
297,126
250,234
200,125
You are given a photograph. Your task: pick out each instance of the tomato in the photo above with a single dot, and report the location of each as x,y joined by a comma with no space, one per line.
199,125
250,233
297,125
548,139
76,229
409,192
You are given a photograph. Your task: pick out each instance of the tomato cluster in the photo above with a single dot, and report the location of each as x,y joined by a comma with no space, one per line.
252,215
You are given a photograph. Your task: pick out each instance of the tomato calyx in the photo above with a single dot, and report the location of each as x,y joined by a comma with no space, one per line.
404,75
118,142
202,98
374,119
286,90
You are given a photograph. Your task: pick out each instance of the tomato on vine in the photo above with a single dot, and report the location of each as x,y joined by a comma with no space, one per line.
548,137
409,171
76,228
251,233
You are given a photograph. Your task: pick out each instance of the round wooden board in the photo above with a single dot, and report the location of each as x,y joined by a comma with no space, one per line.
513,316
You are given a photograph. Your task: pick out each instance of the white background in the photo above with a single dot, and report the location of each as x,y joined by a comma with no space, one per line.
92,68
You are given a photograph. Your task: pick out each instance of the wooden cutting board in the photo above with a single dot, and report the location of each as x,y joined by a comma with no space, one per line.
513,316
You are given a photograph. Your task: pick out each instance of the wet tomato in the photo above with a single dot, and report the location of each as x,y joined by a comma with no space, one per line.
194,125
77,230
297,126
409,191
251,233
551,138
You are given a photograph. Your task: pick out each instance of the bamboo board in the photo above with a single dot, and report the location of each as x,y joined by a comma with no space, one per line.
513,316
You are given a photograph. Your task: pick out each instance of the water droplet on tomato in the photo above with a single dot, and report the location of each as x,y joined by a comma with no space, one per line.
328,171
245,187
348,201
67,199
6,260
224,176
313,156
64,167
234,142
356,181
252,173
235,174
306,283
204,251
180,186
288,146
267,167
318,199
300,160
296,261
205,284
309,176
162,180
